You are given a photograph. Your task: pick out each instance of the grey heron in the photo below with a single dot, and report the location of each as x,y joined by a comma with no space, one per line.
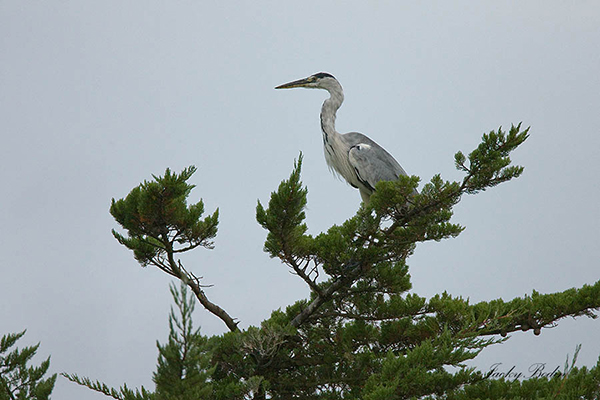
358,159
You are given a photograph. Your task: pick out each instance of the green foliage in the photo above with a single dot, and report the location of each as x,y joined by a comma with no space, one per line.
160,225
530,312
572,383
360,334
17,380
284,217
421,370
489,164
123,393
158,219
184,366
229,354
184,363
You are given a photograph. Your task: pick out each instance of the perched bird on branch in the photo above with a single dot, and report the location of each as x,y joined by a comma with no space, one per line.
358,159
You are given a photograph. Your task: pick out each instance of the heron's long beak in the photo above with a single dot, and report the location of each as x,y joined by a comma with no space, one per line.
294,84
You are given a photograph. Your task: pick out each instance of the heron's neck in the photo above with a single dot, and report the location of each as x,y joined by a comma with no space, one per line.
330,107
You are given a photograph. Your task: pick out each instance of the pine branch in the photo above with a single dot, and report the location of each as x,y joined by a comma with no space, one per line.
301,272
189,280
360,327
326,295
17,379
160,224
124,393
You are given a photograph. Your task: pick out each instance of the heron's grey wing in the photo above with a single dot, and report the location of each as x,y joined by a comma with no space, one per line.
370,161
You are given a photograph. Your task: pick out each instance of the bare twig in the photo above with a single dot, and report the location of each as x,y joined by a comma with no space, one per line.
301,272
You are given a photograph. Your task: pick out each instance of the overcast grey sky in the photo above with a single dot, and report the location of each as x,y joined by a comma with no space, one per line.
97,96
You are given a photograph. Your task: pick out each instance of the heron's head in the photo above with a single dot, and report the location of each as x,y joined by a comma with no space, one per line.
321,80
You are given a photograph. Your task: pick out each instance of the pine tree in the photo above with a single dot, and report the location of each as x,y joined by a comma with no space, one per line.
362,334
184,366
17,380
184,369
